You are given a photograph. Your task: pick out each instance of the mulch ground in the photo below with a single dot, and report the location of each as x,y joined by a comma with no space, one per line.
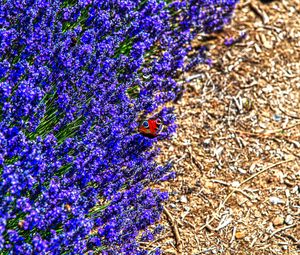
237,148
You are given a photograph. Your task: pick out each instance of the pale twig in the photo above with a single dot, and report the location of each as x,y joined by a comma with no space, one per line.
233,234
206,250
174,228
267,168
259,13
279,230
244,193
224,223
220,181
294,239
253,242
207,223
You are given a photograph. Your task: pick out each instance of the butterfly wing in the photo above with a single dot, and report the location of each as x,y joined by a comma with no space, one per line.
150,128
144,128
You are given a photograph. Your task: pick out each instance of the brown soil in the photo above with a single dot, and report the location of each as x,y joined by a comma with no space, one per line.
237,149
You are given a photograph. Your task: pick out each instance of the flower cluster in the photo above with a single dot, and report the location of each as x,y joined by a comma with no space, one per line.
75,78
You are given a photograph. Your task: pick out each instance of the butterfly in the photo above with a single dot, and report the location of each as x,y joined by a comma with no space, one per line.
150,127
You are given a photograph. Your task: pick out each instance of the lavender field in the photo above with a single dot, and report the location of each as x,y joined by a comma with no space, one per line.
77,81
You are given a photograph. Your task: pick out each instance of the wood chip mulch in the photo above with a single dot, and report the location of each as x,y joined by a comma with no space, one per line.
237,148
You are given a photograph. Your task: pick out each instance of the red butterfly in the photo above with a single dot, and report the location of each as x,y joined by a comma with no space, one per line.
151,127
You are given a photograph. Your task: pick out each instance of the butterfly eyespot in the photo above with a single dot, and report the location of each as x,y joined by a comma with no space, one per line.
158,121
145,124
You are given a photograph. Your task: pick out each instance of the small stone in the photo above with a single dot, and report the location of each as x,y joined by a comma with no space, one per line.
235,184
183,199
172,205
242,171
257,48
268,89
278,221
276,200
270,228
247,239
240,235
289,220
262,125
187,208
252,167
206,143
277,117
